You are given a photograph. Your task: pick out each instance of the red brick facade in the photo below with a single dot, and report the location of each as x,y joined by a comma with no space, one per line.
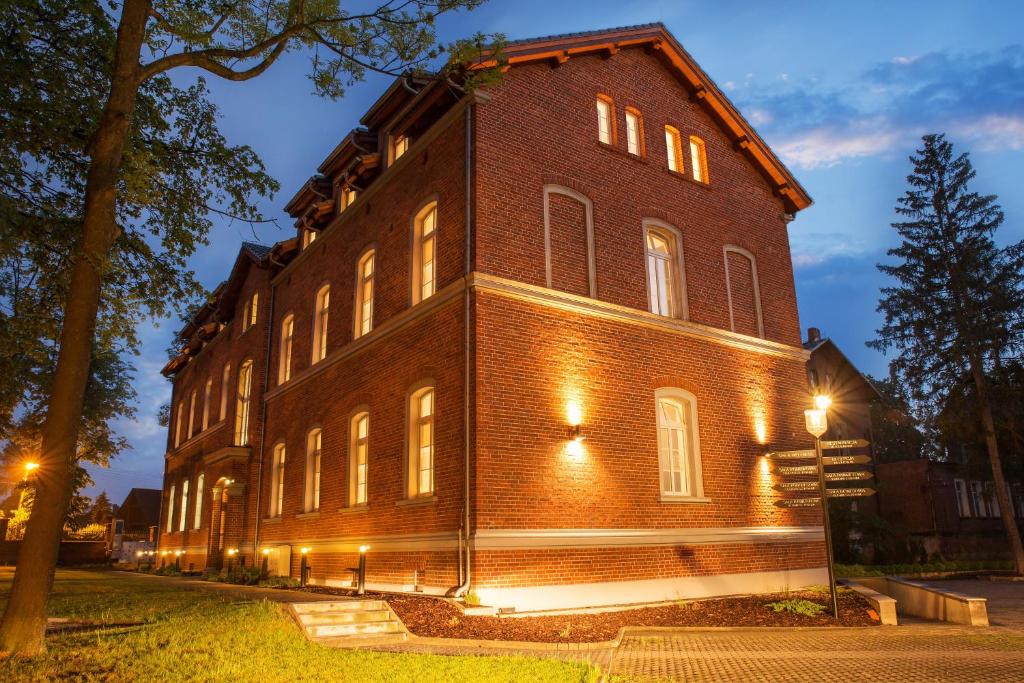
549,314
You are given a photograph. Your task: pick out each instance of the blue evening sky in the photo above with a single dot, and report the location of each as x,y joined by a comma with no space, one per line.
841,90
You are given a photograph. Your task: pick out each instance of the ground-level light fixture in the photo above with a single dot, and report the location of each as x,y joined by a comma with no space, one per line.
304,565
361,579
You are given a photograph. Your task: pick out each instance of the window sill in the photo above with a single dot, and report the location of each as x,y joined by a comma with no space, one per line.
355,509
308,515
675,500
416,502
642,158
683,176
271,520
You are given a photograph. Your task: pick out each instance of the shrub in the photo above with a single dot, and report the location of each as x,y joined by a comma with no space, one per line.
797,606
279,582
167,570
471,599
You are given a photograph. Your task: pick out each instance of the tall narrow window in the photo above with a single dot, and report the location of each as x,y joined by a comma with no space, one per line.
634,132
990,498
743,291
308,237
424,253
699,159
184,504
225,382
284,362
359,450
179,421
320,313
963,501
364,294
312,497
674,149
421,442
665,291
399,146
207,392
249,314
170,510
277,482
191,416
605,120
678,444
200,495
242,406
978,498
347,198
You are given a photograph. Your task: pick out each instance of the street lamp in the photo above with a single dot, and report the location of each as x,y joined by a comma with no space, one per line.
816,422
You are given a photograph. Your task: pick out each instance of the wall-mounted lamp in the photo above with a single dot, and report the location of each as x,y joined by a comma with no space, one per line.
822,401
576,433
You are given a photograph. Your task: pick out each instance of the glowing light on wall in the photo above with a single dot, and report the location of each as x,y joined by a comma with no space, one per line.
574,449
574,413
761,431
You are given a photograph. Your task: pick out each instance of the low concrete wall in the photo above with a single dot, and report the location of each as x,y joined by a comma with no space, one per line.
919,600
884,605
71,552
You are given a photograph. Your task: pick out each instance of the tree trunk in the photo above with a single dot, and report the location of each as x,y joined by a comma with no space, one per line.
998,482
24,620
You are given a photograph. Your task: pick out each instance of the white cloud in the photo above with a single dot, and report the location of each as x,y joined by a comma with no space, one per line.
760,117
829,146
994,132
905,60
729,85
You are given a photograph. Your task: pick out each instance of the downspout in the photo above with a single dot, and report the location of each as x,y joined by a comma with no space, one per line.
463,588
263,422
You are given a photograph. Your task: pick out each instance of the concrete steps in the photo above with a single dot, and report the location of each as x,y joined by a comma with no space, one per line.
349,623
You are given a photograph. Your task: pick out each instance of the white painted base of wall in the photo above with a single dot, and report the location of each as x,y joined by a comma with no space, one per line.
570,596
382,587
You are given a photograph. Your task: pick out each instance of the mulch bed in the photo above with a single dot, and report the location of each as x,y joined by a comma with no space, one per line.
434,617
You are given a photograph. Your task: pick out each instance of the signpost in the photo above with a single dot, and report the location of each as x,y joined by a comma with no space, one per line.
817,424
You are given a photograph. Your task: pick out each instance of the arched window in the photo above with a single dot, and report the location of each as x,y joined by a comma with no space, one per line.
312,496
225,382
191,416
364,294
678,444
242,406
207,392
320,315
179,423
699,159
200,495
605,119
634,132
674,149
184,504
359,451
170,510
424,253
421,442
277,482
284,362
666,282
743,291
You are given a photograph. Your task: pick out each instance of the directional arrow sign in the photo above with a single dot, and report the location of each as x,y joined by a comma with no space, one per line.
798,502
850,493
847,476
845,460
791,455
802,469
843,443
796,486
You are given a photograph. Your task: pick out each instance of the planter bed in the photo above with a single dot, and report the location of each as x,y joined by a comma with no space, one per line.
438,618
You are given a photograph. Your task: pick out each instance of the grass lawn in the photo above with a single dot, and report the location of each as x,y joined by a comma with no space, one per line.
191,635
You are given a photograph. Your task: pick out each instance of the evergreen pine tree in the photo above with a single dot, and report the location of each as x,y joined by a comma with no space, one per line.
956,311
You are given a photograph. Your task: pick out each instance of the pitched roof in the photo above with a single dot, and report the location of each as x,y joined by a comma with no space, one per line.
656,38
257,251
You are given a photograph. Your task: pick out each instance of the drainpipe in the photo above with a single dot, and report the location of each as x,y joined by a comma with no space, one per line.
263,419
463,588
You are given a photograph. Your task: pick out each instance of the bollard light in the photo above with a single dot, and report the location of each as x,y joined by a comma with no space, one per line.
361,583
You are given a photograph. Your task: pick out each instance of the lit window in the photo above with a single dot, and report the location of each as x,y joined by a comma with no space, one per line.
665,290
634,132
399,146
323,306
308,237
358,454
674,149
605,120
424,274
200,494
963,502
178,423
421,443
250,311
225,382
184,504
191,416
242,406
284,362
347,198
277,482
364,294
207,392
312,497
678,444
699,159
170,510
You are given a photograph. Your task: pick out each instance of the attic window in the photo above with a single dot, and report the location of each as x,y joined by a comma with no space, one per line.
674,149
348,197
250,312
605,119
699,159
308,237
399,146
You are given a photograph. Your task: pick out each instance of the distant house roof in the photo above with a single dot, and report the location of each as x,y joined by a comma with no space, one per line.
849,380
141,508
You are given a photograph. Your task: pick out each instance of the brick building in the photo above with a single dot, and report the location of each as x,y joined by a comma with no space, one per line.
532,341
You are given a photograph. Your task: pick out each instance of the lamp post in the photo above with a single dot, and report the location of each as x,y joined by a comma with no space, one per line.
303,566
816,422
361,584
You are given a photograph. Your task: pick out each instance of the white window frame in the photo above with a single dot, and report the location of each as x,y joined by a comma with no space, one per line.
978,498
184,505
693,488
634,132
200,483
605,119
314,461
419,478
280,457
225,387
674,149
399,145
170,509
321,322
699,159
191,416
679,306
250,312
363,310
588,207
423,289
207,394
359,458
243,403
963,500
755,283
284,360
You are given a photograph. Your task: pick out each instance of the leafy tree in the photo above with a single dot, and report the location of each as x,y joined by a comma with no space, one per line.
957,308
102,153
